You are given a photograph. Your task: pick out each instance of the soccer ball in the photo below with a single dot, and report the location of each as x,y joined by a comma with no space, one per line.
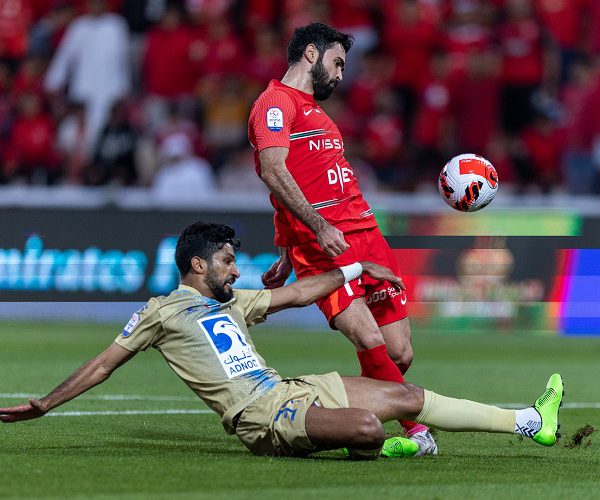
468,183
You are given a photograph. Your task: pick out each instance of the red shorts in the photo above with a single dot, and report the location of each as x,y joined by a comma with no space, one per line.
386,304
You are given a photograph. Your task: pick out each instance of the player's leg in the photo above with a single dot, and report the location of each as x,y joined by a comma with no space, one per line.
354,428
390,401
357,323
347,311
388,307
331,424
397,337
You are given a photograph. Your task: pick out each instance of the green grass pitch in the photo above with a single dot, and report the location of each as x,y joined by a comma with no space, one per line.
188,455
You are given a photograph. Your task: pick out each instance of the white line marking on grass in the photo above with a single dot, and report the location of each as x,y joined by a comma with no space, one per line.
106,397
128,412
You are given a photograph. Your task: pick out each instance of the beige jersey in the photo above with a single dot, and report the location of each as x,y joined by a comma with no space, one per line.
207,345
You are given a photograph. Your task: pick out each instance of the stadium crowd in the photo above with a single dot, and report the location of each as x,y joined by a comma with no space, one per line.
157,92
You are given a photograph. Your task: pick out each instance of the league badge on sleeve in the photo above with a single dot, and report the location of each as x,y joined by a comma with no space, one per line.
131,325
274,119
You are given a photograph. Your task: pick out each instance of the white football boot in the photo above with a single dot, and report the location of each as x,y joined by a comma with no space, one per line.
427,445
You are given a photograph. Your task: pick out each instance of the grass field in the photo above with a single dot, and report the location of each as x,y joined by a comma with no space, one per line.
159,441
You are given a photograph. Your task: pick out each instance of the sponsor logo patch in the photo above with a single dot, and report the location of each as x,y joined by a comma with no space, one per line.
230,345
274,119
135,319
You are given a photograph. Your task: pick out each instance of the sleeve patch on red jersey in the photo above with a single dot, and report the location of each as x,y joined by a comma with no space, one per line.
274,119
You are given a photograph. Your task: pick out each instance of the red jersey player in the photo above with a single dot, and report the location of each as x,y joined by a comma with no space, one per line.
321,219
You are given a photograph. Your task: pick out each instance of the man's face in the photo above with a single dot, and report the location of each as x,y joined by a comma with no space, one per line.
222,273
327,71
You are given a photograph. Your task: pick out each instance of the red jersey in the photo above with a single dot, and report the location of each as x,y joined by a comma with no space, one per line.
285,117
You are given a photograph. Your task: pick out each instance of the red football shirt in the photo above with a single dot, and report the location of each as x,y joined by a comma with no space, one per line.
285,117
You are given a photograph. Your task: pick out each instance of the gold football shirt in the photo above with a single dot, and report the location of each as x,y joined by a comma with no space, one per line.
207,345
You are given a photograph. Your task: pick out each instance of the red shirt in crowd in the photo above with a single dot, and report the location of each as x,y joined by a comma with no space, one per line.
167,68
593,29
584,122
433,114
261,12
476,104
521,46
461,41
374,78
347,14
544,146
215,50
563,19
411,47
32,142
15,21
267,59
28,80
383,139
285,117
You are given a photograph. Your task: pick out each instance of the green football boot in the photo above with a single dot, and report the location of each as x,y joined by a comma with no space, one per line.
547,406
399,447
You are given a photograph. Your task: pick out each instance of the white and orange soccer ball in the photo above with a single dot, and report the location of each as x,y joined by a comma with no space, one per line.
468,182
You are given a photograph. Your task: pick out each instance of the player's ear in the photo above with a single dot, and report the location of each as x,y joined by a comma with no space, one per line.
199,266
311,54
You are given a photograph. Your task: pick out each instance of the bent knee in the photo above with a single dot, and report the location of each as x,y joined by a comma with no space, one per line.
365,340
369,432
402,358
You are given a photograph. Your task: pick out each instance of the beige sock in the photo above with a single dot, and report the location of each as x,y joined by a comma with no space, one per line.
451,414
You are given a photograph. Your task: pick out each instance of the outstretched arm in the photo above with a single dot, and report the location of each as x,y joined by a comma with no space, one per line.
306,290
277,177
92,373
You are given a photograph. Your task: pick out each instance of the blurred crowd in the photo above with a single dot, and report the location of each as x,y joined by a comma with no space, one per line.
157,93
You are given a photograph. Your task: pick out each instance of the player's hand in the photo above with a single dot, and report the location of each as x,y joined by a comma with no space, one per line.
331,240
382,273
278,273
35,409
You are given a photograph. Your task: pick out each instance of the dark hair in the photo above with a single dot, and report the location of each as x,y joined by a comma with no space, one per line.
319,34
202,240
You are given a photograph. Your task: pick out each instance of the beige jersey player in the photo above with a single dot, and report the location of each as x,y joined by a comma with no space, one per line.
207,345
201,329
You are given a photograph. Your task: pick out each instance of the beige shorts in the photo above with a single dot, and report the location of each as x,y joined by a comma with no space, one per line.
275,423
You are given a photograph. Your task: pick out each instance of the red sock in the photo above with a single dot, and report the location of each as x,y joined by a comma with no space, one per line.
375,363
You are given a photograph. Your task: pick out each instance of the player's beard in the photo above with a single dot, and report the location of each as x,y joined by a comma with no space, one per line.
323,85
220,293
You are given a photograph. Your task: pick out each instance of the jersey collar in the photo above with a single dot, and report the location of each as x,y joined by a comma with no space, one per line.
191,289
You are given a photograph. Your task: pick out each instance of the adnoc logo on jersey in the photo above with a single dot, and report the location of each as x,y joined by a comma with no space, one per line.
229,344
274,119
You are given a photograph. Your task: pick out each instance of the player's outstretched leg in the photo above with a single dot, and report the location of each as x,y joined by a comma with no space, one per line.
391,401
538,422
